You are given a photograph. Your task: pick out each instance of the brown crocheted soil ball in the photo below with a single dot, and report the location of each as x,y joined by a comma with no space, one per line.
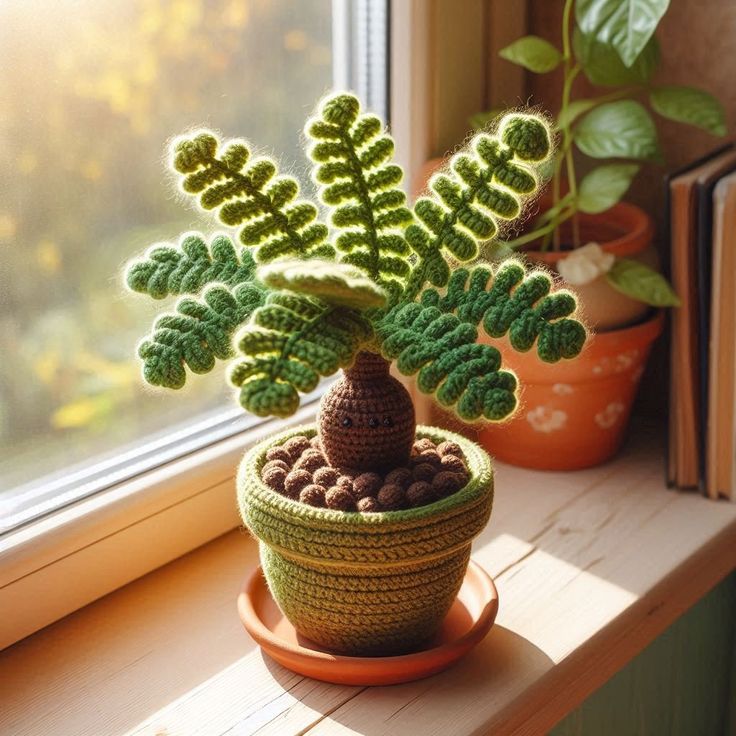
279,453
326,477
391,497
366,484
425,472
310,460
313,495
399,477
315,443
351,473
339,499
295,481
277,464
427,456
274,478
295,446
422,445
453,464
449,448
445,483
368,505
419,494
345,482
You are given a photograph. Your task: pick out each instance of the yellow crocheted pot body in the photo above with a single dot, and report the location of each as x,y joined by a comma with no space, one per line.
366,584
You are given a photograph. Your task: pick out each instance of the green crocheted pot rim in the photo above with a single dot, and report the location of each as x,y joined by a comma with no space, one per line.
478,462
325,535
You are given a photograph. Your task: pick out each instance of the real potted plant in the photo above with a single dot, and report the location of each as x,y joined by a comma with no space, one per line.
575,415
365,521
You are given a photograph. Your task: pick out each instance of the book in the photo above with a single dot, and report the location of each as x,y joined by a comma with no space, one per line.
687,418
721,424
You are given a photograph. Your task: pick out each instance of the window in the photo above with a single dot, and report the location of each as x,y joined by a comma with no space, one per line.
90,90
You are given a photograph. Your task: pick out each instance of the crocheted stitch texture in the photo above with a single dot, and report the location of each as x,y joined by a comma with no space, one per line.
365,583
366,419
369,282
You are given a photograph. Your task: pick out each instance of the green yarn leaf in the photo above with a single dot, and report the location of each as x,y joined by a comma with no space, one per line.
189,266
290,342
511,302
196,334
249,194
436,338
441,349
334,283
360,186
485,184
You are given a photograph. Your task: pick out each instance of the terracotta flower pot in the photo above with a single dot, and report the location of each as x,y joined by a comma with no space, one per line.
573,414
365,584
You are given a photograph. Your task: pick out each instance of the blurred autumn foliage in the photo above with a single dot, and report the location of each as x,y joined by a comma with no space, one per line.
90,91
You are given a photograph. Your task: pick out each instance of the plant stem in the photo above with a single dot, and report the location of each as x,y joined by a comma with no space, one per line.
571,71
539,232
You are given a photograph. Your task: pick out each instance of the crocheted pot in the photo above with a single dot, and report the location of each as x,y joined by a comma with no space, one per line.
365,584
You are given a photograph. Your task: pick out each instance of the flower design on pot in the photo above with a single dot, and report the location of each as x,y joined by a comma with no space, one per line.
624,361
544,419
609,416
562,389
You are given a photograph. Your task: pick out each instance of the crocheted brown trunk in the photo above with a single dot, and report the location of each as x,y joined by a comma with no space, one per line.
366,420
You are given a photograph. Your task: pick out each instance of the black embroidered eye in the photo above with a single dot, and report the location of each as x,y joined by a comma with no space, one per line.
388,422
373,422
347,422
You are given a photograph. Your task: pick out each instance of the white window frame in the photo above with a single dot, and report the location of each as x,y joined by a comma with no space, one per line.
74,555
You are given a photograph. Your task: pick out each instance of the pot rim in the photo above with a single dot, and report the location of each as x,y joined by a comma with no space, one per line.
638,226
647,330
325,537
479,466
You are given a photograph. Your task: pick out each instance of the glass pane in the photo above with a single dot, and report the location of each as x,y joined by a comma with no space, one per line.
90,91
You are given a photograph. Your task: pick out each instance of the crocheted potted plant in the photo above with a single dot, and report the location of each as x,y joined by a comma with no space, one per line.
365,521
576,415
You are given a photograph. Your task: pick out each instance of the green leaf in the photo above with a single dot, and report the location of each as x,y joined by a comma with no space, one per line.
532,53
626,25
689,105
605,186
603,66
334,283
289,343
622,129
573,111
481,120
642,283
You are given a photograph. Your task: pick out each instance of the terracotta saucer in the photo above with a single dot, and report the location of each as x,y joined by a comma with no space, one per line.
471,616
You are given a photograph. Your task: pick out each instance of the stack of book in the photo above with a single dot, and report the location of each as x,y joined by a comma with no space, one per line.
702,225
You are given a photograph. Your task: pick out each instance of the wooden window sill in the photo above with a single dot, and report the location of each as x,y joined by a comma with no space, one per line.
590,567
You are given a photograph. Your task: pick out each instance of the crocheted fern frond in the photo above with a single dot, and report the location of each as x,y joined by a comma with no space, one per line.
360,186
334,283
289,343
436,337
248,194
512,302
199,331
189,266
484,185
451,366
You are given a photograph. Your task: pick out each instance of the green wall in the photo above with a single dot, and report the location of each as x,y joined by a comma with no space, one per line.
682,684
